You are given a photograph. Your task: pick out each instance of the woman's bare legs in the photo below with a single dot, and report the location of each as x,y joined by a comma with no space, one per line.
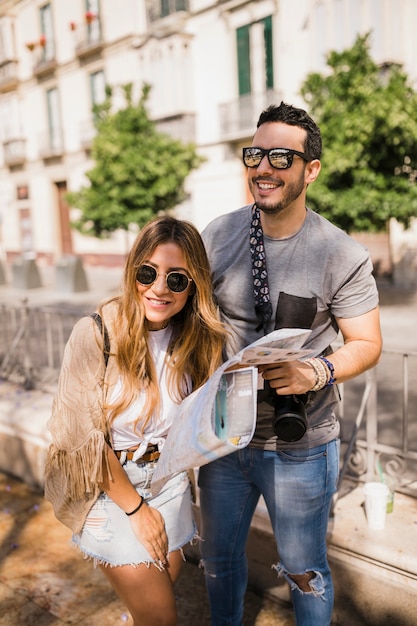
147,592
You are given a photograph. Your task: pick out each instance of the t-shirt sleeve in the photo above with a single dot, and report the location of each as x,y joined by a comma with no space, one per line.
358,293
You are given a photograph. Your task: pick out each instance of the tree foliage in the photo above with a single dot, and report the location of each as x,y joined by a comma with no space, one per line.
138,171
367,116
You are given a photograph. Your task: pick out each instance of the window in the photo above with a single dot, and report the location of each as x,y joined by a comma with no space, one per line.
172,6
10,126
157,9
267,22
254,49
243,60
54,120
97,87
47,33
6,39
93,26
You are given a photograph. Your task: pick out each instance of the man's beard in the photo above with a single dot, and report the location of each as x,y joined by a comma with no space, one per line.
292,192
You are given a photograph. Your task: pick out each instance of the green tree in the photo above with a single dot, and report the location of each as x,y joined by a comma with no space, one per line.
138,171
367,116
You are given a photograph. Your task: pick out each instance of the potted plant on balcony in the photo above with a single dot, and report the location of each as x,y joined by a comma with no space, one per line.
31,45
90,17
42,41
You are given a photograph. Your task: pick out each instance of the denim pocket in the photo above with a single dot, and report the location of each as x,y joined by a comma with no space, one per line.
304,454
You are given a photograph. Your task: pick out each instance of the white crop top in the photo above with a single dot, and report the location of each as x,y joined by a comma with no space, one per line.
123,433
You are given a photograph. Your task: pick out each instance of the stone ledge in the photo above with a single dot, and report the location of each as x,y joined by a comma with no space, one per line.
375,571
24,437
349,533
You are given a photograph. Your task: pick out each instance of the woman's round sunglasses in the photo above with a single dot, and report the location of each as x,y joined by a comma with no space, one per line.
279,158
177,282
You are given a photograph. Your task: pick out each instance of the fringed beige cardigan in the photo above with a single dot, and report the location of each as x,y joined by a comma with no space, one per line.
74,465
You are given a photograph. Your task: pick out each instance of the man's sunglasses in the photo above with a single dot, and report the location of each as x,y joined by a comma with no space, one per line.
279,158
177,282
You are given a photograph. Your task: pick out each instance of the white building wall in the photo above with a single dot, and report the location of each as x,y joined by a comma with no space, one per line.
215,78
190,60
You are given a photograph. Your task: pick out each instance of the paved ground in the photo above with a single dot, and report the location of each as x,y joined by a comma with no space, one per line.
44,581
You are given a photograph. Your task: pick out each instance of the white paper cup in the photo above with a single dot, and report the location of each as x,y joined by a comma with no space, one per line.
376,498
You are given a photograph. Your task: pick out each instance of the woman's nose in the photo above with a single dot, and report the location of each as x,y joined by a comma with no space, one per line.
160,284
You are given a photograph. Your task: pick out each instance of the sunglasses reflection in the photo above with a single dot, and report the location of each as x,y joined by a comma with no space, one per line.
177,282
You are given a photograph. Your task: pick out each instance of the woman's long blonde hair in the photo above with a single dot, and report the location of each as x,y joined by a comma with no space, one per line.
198,335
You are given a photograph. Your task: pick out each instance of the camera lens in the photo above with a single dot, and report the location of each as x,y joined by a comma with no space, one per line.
290,419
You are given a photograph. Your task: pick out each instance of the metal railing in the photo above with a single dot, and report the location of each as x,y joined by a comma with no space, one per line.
32,342
238,117
379,425
378,409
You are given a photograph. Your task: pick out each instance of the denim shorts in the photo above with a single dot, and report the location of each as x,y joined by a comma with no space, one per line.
107,536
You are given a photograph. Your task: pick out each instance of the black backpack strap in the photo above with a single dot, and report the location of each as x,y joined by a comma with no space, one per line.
103,330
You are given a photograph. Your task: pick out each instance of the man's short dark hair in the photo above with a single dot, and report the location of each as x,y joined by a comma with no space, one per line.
288,114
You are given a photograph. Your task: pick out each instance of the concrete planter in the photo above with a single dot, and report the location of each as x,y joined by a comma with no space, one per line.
70,275
25,274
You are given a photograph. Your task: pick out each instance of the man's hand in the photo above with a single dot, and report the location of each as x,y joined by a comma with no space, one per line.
290,377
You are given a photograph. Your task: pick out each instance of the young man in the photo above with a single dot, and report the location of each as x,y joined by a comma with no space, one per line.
277,264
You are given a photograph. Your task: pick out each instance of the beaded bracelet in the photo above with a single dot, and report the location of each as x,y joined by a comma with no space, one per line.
137,508
321,373
332,378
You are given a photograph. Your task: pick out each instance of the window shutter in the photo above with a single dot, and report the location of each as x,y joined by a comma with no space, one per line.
269,67
243,60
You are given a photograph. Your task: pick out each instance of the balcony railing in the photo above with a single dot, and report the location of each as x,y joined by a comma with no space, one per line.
158,9
44,60
8,75
238,118
89,40
87,133
14,152
51,144
181,126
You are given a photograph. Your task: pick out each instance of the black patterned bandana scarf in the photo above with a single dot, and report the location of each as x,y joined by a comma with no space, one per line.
263,306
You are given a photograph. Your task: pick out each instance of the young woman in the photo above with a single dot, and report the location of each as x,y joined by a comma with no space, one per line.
122,378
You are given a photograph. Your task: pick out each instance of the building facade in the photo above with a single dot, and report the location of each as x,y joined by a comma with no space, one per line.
213,67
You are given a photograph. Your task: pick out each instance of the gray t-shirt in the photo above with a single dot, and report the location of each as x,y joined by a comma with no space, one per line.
314,276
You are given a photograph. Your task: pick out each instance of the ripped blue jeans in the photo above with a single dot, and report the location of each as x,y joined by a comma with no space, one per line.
297,486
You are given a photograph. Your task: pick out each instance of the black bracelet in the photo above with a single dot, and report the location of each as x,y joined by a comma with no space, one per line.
137,508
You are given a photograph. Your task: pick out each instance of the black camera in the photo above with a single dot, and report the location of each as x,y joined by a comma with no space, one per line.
290,418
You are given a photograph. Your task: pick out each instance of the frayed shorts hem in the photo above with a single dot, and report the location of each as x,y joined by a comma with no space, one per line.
107,536
99,561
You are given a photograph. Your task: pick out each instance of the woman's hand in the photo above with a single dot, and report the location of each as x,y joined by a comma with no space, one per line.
149,528
147,523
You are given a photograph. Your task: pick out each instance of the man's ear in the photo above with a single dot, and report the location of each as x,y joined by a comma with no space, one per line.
312,171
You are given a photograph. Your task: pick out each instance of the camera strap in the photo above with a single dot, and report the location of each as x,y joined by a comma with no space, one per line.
263,306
